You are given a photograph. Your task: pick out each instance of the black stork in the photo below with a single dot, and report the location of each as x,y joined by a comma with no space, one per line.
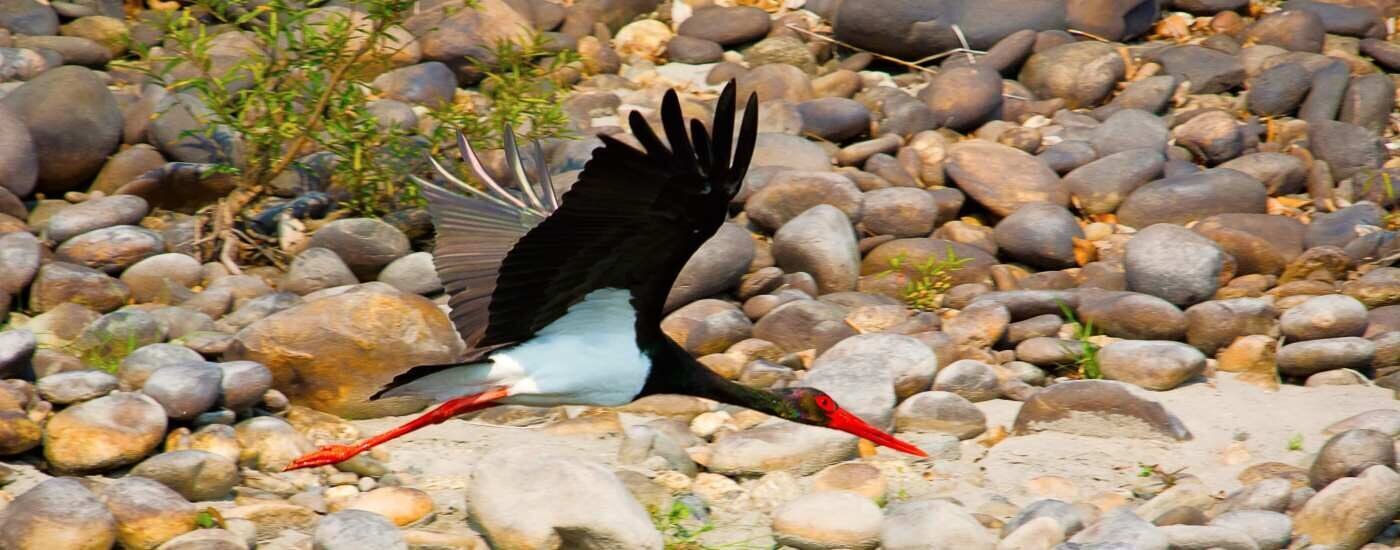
564,307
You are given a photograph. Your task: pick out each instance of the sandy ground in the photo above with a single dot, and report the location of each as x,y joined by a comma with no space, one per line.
1217,413
1220,413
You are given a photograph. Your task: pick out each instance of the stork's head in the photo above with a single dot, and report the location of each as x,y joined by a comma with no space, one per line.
814,407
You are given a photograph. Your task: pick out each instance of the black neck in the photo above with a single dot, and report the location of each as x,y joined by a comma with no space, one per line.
675,371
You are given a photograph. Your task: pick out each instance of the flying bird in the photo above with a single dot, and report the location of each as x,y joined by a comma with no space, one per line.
560,301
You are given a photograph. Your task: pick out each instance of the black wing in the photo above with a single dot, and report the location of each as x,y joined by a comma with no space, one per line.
632,221
476,233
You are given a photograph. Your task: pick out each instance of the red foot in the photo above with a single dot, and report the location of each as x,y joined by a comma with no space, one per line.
333,454
330,454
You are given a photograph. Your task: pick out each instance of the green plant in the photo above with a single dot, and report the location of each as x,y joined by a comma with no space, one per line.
1295,443
307,89
1086,360
932,278
521,83
106,354
1167,479
209,518
673,526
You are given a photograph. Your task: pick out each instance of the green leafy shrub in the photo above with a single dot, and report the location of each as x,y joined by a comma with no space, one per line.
310,88
933,277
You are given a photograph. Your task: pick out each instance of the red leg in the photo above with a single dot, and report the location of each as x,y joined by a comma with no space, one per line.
333,454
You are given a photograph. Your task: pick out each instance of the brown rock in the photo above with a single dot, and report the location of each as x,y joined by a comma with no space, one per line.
1253,357
61,282
333,353
1351,511
58,513
110,431
1098,408
1349,453
1003,178
18,433
147,512
402,505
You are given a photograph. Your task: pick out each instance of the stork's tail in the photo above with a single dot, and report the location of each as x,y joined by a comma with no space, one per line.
438,382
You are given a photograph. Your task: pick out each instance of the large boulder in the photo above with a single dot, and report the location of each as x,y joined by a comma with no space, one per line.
520,499
912,29
74,123
334,352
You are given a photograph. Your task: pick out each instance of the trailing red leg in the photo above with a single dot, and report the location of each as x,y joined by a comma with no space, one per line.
333,454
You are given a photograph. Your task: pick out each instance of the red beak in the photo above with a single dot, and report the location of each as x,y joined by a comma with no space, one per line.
852,424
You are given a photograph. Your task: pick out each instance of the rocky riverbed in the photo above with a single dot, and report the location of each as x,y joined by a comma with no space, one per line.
1125,270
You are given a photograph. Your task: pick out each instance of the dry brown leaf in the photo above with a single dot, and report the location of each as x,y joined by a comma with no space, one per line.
993,436
1084,251
867,449
1174,27
1235,453
1294,202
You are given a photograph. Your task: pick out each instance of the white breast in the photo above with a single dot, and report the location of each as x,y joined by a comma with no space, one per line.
587,357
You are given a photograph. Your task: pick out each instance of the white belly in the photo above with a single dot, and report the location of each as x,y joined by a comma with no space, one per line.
587,357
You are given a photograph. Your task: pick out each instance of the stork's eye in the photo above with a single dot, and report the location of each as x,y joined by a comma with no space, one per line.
826,403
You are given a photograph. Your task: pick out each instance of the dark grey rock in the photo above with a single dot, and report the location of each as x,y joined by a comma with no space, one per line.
1003,178
1041,235
727,26
73,121
1384,53
1349,453
28,17
20,253
351,529
1081,73
692,50
1279,90
1296,30
431,84
19,160
1131,315
821,242
1150,94
1300,359
366,245
963,98
1212,137
837,119
1129,129
1340,227
1152,364
1209,71
66,388
1368,101
1065,156
716,266
1324,98
316,269
1173,263
186,389
1103,184
899,211
790,193
1185,198
137,367
195,474
1358,21
1281,174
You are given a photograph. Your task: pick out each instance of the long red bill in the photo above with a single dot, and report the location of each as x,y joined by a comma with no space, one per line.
852,424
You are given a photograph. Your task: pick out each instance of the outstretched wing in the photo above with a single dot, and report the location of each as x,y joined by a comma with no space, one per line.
631,222
475,232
